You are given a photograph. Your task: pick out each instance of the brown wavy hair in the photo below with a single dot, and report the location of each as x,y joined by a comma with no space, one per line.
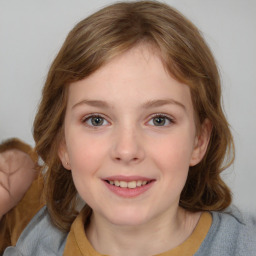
94,42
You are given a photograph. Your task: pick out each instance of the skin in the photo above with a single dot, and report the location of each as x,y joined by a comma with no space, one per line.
16,175
126,94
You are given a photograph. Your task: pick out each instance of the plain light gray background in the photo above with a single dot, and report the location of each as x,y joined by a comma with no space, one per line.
31,33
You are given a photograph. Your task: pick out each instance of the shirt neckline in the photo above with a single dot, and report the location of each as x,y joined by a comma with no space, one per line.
77,240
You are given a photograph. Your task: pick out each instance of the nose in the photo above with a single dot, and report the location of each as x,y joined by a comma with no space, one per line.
127,146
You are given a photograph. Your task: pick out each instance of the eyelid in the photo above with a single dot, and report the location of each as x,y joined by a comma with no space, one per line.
168,117
91,115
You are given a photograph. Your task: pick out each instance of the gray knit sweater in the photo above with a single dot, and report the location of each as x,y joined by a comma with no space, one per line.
231,234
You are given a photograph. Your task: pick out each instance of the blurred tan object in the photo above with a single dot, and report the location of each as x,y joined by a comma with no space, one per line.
19,198
17,172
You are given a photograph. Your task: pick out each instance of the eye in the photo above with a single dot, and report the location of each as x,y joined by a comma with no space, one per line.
160,120
95,120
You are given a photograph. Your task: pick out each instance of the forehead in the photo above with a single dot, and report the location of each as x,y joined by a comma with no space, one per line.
138,74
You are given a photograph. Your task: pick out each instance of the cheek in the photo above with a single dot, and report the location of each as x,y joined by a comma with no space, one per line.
86,154
172,158
86,158
173,152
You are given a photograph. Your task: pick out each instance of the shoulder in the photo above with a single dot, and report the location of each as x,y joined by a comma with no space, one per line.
232,233
40,237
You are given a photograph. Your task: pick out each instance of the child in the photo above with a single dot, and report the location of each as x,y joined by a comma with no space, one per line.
18,169
131,121
17,160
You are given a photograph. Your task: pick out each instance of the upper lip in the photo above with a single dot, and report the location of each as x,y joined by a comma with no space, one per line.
127,178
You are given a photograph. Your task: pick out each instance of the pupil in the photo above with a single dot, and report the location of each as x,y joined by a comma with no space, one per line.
97,121
159,121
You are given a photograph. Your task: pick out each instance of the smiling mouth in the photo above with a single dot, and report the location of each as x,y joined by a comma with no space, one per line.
130,184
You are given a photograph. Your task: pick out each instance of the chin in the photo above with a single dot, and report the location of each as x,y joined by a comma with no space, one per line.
128,222
128,218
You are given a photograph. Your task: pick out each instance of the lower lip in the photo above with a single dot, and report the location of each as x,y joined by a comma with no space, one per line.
129,192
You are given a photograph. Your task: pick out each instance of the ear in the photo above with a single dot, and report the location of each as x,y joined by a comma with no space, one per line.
201,142
63,155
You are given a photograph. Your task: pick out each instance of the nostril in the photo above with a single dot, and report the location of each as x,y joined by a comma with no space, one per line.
132,159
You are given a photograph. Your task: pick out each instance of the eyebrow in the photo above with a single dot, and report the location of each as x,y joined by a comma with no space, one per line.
148,104
162,102
93,103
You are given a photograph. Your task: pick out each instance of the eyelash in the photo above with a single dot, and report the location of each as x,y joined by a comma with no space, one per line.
159,115
87,118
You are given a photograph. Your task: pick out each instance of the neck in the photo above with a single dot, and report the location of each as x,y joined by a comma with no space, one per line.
152,238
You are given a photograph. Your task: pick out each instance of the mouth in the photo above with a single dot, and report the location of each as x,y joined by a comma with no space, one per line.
128,184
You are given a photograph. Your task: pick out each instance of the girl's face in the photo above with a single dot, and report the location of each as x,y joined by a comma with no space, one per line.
130,137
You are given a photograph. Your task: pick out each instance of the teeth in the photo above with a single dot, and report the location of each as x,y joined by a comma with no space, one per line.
139,183
123,184
130,184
